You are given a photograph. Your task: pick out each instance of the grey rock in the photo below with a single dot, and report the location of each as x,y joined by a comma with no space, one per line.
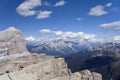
11,42
45,68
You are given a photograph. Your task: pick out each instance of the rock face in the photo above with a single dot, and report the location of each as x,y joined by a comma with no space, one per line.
22,61
43,67
11,42
38,67
83,75
33,66
48,69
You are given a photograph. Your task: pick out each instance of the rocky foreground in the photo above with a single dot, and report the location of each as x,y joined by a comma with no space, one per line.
18,64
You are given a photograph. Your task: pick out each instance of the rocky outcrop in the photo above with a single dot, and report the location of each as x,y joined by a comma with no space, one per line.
11,42
48,69
83,75
42,67
22,61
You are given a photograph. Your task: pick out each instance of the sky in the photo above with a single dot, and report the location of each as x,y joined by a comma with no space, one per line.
93,20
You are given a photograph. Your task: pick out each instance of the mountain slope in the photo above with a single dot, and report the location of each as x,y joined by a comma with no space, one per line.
11,43
108,66
104,58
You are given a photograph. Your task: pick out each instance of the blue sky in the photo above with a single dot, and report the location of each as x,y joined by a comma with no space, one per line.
98,17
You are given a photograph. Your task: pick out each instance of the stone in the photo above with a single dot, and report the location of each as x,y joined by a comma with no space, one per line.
81,76
85,72
46,69
11,42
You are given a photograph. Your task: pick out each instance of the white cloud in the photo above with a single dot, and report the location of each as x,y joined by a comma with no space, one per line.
116,38
58,33
115,25
44,31
30,38
44,14
79,19
27,7
60,3
71,35
99,10
108,5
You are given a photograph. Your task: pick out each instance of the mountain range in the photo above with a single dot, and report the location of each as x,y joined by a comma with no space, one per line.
58,47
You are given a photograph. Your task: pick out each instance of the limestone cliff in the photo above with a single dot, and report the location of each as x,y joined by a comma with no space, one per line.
43,68
11,42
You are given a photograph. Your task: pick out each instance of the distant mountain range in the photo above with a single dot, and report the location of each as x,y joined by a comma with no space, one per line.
58,47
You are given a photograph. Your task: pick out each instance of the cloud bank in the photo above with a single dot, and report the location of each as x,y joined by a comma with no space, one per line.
116,38
68,35
50,35
115,25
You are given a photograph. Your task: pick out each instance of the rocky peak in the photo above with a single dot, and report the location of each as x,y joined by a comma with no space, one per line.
11,42
12,29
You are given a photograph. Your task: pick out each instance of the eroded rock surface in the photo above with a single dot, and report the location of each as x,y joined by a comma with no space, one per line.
11,42
43,67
